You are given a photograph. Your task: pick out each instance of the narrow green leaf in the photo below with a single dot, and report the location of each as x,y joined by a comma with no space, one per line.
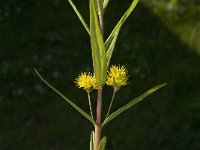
122,20
92,140
80,16
102,144
97,44
132,103
110,47
67,100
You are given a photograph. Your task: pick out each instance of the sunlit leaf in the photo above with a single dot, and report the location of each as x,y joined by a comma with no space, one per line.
97,44
132,103
80,16
67,100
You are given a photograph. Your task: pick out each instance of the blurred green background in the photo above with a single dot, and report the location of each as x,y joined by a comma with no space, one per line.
159,43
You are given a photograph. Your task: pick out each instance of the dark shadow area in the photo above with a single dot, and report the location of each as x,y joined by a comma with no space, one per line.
48,36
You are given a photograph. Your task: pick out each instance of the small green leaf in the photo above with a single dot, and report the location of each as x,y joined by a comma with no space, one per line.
97,44
92,140
80,16
67,100
122,20
102,144
110,45
132,103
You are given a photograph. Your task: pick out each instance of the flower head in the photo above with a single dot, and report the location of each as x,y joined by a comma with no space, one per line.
87,81
117,77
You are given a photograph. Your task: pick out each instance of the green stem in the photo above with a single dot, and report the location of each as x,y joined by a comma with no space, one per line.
89,102
113,96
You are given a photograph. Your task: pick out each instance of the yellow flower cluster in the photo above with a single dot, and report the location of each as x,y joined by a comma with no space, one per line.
117,77
87,82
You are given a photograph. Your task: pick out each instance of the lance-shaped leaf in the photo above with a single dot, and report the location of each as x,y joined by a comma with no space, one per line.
97,44
92,140
82,112
122,20
102,144
132,103
80,16
110,47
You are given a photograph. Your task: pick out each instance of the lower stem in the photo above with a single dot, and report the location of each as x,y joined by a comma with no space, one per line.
97,136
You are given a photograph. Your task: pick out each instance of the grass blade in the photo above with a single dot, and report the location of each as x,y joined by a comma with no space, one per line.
122,20
67,100
80,16
97,44
132,103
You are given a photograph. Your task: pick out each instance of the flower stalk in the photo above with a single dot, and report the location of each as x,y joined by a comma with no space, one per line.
111,102
90,105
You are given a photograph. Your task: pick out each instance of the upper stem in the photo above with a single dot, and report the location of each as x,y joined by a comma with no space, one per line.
101,22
